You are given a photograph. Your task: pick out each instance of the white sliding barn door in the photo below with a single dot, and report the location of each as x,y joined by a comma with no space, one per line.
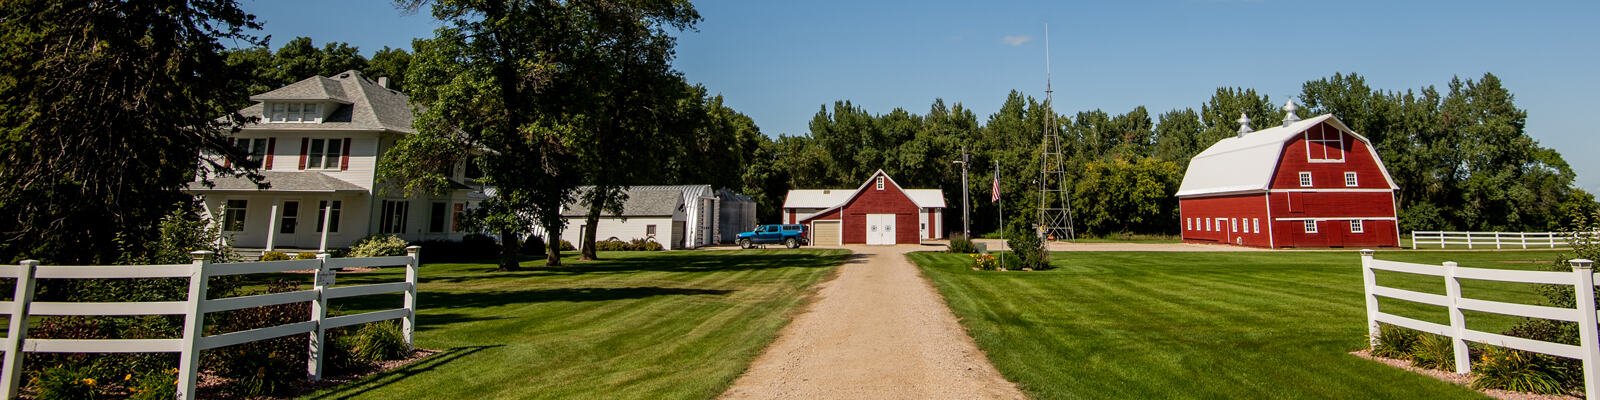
880,229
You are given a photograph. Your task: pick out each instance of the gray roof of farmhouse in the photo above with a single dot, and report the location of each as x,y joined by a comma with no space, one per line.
640,203
362,104
280,181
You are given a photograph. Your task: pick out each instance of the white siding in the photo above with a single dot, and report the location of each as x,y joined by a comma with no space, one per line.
633,228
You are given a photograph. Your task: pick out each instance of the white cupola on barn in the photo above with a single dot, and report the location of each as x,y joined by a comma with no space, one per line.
1289,116
1244,124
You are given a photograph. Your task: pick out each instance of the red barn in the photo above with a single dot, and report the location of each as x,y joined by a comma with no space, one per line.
1311,183
879,212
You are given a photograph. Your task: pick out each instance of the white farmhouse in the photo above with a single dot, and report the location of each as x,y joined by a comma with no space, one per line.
319,141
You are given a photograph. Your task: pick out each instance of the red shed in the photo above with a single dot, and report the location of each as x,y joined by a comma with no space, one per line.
879,212
1311,183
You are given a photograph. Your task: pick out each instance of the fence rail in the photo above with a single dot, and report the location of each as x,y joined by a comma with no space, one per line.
1497,239
195,308
1581,279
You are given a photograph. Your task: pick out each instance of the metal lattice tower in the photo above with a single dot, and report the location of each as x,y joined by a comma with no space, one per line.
1055,201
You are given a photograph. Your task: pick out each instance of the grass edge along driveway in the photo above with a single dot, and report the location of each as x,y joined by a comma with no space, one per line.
658,325
1198,325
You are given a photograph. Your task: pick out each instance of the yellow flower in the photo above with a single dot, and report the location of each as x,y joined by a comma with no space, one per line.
88,381
128,378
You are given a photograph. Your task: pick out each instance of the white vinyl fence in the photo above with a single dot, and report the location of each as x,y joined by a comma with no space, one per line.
1496,239
1581,279
195,308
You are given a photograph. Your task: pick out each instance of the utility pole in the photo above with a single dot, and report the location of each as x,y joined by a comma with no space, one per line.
966,222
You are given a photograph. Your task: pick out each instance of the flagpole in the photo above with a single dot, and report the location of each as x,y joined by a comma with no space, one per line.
1001,209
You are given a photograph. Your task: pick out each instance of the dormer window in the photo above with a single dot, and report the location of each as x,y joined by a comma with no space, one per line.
1324,145
294,112
880,183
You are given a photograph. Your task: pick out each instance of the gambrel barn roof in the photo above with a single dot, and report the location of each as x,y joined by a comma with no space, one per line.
1246,164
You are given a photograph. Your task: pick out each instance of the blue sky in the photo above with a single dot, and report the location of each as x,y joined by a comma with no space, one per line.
779,61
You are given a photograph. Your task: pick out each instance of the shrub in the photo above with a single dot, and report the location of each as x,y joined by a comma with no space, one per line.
610,245
305,255
1395,342
1030,251
567,246
644,245
262,367
533,246
274,256
379,246
1434,352
378,341
66,382
961,244
1508,369
154,385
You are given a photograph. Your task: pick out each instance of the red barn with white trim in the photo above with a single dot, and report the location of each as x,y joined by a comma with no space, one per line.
1311,183
878,212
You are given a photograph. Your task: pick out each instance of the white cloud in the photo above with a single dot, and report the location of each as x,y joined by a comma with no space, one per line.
1016,40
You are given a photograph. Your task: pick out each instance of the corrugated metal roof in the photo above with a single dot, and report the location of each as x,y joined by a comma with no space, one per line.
830,198
1246,164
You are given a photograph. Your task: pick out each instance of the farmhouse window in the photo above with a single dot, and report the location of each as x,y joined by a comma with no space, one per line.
649,230
455,219
394,216
1305,179
295,112
322,212
1324,145
1350,179
324,153
233,215
256,148
1311,226
880,183
436,217
1355,227
291,217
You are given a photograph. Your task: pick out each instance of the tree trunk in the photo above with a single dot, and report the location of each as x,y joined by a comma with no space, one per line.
552,248
592,220
510,251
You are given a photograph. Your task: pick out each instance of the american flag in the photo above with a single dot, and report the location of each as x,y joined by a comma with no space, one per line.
995,198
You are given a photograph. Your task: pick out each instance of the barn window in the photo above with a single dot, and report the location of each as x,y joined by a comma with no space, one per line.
1305,179
1311,226
1188,224
1350,179
1233,225
1324,145
1355,227
880,183
1256,223
1244,224
1208,224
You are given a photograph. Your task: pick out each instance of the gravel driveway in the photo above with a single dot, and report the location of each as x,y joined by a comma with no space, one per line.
878,330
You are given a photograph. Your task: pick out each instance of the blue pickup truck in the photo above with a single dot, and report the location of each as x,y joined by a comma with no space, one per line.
790,236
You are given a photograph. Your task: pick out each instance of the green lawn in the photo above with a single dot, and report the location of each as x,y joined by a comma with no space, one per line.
637,326
1203,325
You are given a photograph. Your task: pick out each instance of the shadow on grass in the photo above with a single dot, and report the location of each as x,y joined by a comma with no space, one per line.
398,374
707,261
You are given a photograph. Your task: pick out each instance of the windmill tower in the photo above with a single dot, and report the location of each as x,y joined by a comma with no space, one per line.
1055,202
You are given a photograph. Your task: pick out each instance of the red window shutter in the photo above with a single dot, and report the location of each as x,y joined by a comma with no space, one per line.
344,156
305,144
272,145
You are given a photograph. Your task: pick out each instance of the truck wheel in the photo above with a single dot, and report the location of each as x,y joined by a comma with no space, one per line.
791,243
744,243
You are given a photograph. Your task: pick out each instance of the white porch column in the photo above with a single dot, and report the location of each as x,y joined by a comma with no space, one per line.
327,225
272,223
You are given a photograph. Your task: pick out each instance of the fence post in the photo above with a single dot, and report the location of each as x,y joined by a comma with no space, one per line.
319,310
1370,280
409,324
20,302
1458,320
193,327
1587,331
1497,240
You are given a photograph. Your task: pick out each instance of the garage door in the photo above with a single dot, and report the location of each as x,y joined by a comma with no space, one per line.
825,233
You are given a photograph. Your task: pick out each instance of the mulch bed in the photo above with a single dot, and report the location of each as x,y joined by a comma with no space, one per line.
1462,380
210,386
